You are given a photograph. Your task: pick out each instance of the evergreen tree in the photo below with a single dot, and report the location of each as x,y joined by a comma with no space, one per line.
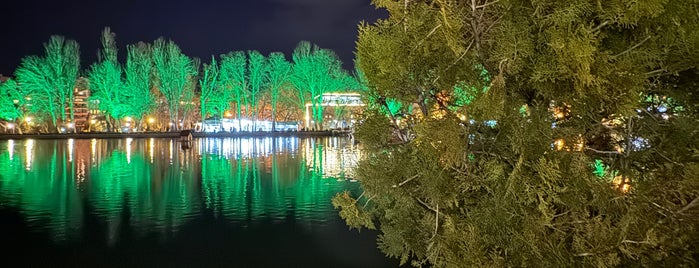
549,133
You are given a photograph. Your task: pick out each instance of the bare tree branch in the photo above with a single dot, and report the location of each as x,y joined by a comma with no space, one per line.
486,4
631,48
692,204
405,181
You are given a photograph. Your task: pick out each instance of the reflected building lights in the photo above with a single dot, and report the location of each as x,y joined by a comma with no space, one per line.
93,149
29,151
11,148
151,150
80,174
71,144
128,150
172,148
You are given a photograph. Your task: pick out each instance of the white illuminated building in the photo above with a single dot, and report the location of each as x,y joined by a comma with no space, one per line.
232,125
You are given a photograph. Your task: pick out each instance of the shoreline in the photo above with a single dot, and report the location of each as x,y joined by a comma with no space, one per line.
173,135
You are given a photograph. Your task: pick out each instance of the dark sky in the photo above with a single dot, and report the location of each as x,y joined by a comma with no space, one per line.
200,27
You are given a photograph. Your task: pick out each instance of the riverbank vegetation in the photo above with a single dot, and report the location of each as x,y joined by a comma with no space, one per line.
160,88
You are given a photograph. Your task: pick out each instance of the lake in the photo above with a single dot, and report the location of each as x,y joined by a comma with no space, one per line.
221,202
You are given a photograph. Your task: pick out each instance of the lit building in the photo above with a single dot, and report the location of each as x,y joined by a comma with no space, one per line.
339,110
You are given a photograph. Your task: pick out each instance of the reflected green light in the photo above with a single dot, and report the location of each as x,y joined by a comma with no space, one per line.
133,184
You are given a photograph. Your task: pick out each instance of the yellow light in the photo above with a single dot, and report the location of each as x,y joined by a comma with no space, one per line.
128,119
93,121
621,183
27,119
10,125
558,144
228,114
151,120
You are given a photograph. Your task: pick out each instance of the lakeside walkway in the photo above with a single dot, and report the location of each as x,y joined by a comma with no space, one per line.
174,135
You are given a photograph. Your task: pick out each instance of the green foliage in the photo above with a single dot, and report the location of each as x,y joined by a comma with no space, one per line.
258,70
279,75
234,79
139,98
49,80
209,88
350,212
451,192
106,80
315,72
175,78
11,101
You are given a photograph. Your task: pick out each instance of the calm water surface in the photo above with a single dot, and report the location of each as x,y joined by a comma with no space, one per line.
150,203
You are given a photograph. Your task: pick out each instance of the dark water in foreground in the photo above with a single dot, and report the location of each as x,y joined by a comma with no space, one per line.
149,203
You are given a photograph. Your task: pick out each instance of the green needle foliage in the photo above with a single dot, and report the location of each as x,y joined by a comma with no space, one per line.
49,80
448,190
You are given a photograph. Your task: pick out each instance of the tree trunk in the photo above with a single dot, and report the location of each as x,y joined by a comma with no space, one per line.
274,119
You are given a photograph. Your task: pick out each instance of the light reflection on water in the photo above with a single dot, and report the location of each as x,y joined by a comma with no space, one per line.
154,185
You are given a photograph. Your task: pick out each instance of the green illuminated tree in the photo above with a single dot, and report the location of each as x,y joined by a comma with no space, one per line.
209,87
137,81
315,72
106,84
257,75
11,103
233,74
189,97
49,80
480,178
174,74
279,75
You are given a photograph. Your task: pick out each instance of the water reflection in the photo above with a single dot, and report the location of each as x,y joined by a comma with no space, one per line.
153,186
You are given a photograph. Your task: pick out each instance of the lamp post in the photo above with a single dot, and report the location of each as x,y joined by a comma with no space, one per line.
151,121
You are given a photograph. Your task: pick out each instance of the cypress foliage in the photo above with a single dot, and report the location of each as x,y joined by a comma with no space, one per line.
545,133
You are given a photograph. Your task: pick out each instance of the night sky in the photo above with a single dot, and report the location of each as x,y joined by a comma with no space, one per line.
201,28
